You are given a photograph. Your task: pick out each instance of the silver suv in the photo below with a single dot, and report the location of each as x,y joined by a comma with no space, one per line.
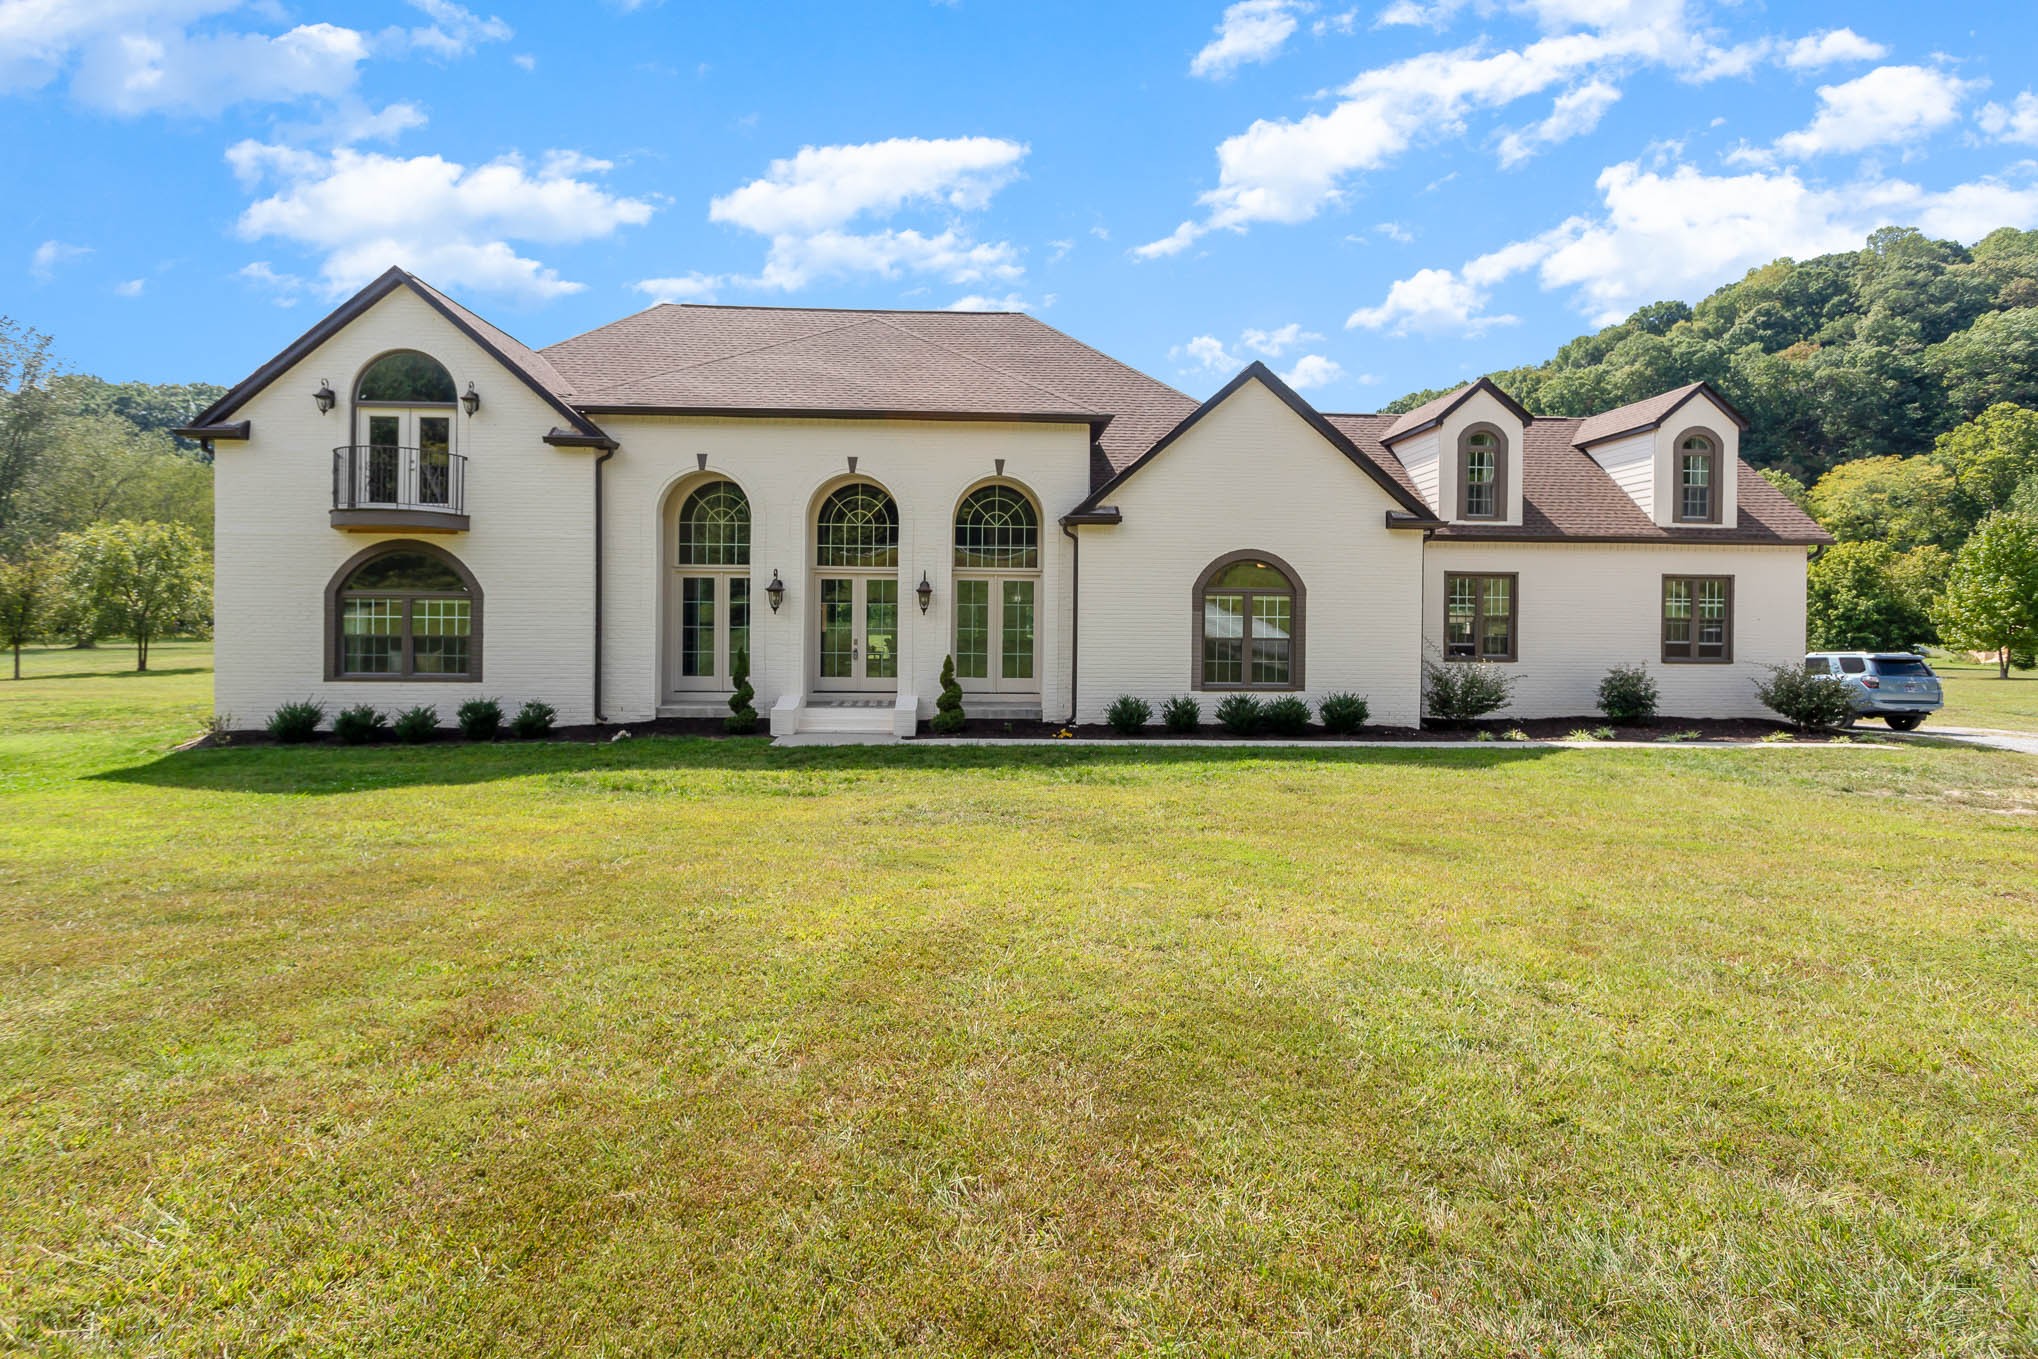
1893,685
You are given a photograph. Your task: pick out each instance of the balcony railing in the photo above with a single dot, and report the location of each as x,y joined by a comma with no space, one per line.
378,485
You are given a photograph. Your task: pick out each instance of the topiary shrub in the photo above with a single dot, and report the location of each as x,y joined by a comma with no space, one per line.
480,719
1806,701
1456,693
1127,715
742,718
1241,714
1343,714
1628,694
294,723
359,724
534,719
948,714
415,726
1181,715
1287,716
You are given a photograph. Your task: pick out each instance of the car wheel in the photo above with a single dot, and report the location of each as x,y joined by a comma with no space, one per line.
1905,721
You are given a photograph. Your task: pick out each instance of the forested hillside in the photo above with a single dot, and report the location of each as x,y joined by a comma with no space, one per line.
1875,351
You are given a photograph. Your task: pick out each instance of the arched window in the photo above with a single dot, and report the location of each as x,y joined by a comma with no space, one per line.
714,526
404,610
858,527
1697,487
406,378
1482,473
1248,624
997,529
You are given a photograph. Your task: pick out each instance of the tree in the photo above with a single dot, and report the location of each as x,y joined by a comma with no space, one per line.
1792,489
26,414
27,585
140,580
1854,603
1991,599
1989,455
100,467
742,718
1919,578
1903,502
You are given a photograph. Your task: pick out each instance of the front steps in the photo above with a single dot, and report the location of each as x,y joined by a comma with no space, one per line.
814,719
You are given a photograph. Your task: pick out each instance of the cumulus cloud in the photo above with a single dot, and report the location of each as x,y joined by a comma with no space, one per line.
51,255
1274,343
1430,302
1313,370
2016,122
1208,356
1251,31
1891,105
1831,48
1576,112
1205,353
978,302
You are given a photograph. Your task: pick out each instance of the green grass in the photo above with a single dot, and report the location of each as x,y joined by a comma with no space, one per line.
692,1047
1976,697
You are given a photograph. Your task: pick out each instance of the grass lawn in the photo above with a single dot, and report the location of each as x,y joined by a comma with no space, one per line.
1975,697
679,1046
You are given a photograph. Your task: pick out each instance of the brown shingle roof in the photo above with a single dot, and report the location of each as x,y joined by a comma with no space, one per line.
1427,413
1647,413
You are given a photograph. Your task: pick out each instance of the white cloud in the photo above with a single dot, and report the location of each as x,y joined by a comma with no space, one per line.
283,289
1205,352
1313,370
1342,23
1395,231
131,288
1830,48
1576,112
2017,123
454,30
1251,31
43,264
1430,302
363,212
525,61
1274,343
684,288
1415,14
978,302
1889,105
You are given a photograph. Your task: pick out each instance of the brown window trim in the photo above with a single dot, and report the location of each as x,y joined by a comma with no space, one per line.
1297,632
1500,461
404,675
1718,500
1513,580
1726,656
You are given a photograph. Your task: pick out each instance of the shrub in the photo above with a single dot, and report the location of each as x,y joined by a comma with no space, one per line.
1808,702
1287,716
1581,734
948,713
1241,714
1628,694
1514,734
359,724
742,718
534,719
480,719
1461,692
1343,714
1127,715
415,726
296,722
1181,715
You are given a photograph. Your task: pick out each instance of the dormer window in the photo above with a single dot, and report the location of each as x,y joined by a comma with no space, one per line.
1482,473
1697,485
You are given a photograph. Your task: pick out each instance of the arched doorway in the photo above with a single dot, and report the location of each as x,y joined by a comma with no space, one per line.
402,450
708,588
856,590
997,588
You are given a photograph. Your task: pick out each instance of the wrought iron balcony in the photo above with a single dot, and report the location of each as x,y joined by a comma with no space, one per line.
383,486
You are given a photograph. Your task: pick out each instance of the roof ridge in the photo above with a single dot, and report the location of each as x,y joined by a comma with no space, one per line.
985,363
732,354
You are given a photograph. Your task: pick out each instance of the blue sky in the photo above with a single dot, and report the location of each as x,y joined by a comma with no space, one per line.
1371,197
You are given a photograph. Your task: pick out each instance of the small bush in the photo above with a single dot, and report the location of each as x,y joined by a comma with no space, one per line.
296,722
1287,716
1343,714
534,719
415,726
1514,734
1628,694
742,718
1127,715
480,719
1808,702
1181,715
359,724
948,713
1677,738
1581,734
1457,693
1241,714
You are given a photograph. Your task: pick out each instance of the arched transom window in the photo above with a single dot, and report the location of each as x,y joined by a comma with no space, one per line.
1698,475
714,526
406,378
1248,625
997,529
1482,473
405,610
858,527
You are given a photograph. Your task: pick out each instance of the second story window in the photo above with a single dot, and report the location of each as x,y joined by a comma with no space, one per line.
1482,474
1697,487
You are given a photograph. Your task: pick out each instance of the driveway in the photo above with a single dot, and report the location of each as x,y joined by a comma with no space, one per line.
2023,742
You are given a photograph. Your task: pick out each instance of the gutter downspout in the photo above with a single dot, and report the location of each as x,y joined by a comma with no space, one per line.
1075,611
599,715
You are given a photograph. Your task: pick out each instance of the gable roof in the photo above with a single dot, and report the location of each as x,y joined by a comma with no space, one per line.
1435,411
1402,491
530,368
1647,414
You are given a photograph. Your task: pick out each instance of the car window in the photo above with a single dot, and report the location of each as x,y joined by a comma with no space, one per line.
1886,665
1817,665
1853,665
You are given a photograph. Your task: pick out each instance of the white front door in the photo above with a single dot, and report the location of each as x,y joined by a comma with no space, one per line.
404,456
857,617
997,647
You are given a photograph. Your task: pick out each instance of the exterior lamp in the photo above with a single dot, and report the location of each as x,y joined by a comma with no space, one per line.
471,399
925,591
775,592
325,396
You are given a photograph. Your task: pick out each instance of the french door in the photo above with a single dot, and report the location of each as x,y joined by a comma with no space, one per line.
407,458
711,628
858,619
997,649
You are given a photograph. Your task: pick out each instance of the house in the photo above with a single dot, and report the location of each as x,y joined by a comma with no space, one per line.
413,507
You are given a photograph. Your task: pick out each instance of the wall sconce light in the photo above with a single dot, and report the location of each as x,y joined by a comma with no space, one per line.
325,396
471,399
775,592
925,591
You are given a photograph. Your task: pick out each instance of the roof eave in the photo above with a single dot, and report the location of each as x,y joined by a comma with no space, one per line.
1091,419
204,433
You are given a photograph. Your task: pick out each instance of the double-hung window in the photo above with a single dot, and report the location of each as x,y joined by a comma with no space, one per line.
1698,618
1479,617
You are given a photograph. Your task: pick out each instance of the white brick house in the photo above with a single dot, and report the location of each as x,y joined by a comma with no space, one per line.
415,508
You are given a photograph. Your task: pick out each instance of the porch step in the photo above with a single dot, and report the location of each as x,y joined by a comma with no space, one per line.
877,717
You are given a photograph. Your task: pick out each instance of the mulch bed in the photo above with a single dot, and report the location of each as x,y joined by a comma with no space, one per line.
1708,729
590,734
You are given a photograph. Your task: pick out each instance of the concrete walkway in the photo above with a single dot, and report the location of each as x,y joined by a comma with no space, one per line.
841,739
2021,742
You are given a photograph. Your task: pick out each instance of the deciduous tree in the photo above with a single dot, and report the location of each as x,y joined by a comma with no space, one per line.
1991,600
139,580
